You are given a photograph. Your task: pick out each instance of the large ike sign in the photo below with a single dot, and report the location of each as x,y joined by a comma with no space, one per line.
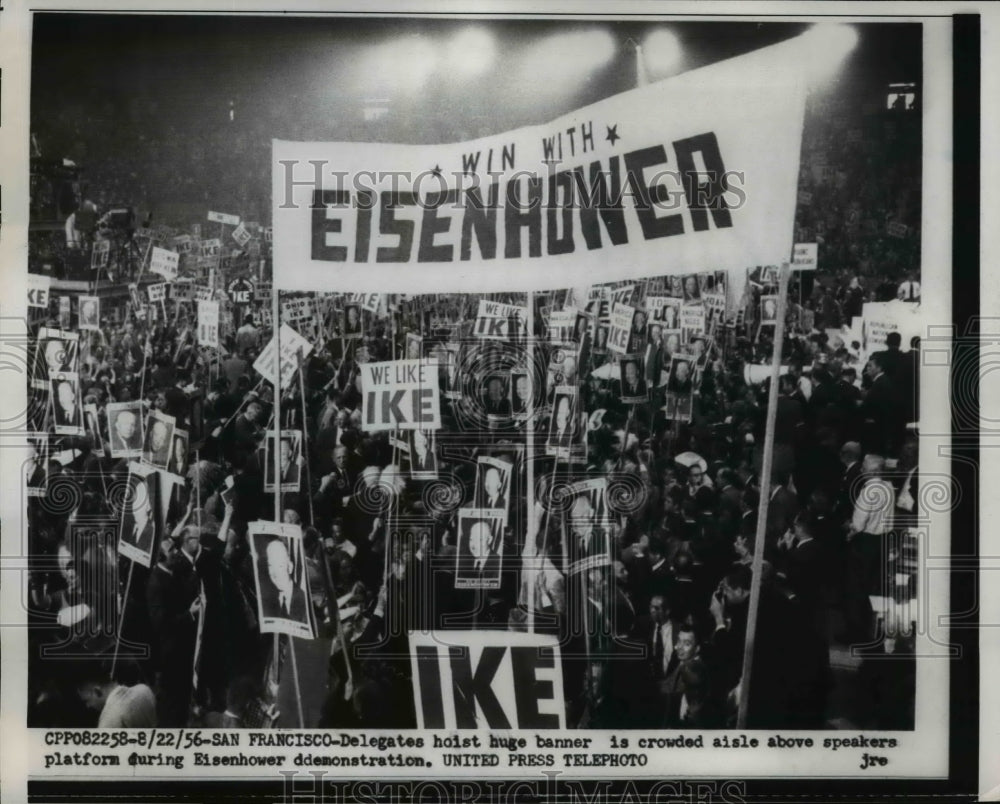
400,395
487,680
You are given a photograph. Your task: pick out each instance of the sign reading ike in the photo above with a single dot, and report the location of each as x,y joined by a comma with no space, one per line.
487,680
400,395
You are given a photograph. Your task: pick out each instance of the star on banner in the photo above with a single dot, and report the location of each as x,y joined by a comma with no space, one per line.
437,170
613,135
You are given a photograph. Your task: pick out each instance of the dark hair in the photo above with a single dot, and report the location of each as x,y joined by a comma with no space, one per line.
739,577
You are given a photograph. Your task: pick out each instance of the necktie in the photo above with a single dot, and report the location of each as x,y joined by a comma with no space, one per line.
657,650
284,603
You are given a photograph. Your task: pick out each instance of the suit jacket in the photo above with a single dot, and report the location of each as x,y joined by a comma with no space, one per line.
291,474
781,512
271,605
119,444
168,603
68,418
158,457
500,502
499,407
638,389
564,439
491,569
428,464
884,417
805,573
850,488
143,540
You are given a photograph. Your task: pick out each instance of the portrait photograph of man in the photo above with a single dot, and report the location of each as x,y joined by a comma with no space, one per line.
423,460
678,407
56,352
671,341
495,399
178,463
90,313
768,309
655,335
669,314
681,379
283,604
92,424
601,341
67,414
352,321
290,452
520,392
492,483
414,346
637,337
692,290
158,439
633,383
479,557
562,424
137,535
36,468
588,545
125,429
449,366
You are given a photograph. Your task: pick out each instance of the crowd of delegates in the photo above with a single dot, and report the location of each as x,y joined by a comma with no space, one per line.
861,165
659,641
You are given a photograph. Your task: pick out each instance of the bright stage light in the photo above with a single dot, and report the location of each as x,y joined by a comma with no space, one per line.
563,59
824,48
470,52
400,65
662,52
412,60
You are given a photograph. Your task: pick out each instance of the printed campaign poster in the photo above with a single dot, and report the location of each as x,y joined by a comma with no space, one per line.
589,525
90,313
139,533
400,395
293,349
290,459
281,579
479,557
620,333
67,414
423,455
165,263
159,439
125,429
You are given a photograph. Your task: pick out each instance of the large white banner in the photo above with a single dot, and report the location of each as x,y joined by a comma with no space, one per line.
609,190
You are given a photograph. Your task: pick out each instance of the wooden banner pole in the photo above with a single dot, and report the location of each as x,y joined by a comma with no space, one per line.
121,617
765,494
